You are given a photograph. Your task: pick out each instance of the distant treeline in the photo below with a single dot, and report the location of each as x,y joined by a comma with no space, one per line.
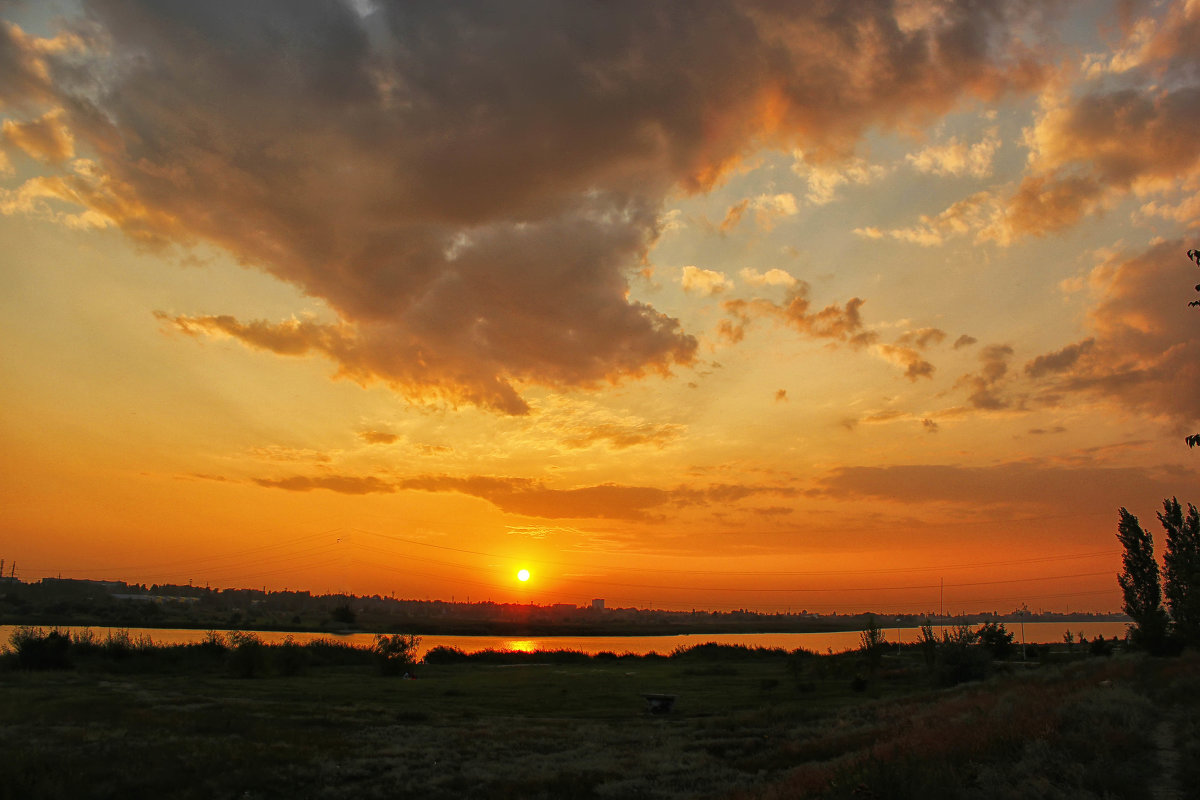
59,601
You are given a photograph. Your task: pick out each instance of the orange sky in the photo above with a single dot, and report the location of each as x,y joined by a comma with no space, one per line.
739,305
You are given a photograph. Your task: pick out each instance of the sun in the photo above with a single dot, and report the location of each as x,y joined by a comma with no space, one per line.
523,575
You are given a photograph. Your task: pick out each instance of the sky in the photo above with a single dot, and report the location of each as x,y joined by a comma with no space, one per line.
779,306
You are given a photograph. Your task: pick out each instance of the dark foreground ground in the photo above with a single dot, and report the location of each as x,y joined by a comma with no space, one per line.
745,725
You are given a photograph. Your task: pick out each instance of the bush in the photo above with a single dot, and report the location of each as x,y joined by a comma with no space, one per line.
397,653
445,655
246,656
289,658
997,640
39,649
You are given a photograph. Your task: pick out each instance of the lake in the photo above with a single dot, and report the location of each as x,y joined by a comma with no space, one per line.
838,641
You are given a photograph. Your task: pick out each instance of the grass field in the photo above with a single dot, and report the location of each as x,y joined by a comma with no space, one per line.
746,724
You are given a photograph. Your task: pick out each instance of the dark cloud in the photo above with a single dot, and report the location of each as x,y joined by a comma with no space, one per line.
467,185
964,341
922,338
984,387
1059,361
342,484
378,437
915,366
528,497
839,323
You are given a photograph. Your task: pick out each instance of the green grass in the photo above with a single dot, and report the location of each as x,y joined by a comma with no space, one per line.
746,724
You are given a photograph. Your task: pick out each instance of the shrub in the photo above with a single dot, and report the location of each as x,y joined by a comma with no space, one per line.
39,649
397,653
445,655
246,657
289,658
997,640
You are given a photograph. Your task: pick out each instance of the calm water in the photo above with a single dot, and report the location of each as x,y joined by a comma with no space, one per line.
1035,632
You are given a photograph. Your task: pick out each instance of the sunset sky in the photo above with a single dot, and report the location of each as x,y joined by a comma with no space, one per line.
759,304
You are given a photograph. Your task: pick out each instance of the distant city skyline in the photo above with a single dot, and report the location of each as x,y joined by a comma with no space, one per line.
863,306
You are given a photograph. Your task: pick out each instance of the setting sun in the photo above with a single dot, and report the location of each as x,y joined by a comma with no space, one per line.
523,575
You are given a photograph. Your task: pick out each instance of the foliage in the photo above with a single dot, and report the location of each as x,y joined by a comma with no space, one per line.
872,642
37,648
343,614
1181,569
996,638
247,658
396,654
1140,585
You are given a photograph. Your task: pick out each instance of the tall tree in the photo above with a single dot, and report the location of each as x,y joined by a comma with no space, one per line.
1181,568
1139,582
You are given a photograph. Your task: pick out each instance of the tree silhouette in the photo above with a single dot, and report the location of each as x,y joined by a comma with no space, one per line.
1181,568
1139,582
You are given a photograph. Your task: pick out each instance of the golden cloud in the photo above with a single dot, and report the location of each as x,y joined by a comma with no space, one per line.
468,192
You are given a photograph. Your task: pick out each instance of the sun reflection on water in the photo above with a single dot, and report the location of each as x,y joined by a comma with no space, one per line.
521,645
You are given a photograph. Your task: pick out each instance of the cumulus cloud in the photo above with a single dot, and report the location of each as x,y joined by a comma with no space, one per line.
1089,149
958,158
964,341
704,281
979,214
767,208
772,277
45,138
468,187
824,179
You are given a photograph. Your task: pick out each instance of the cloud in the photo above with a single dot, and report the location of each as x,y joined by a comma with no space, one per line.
772,277
964,341
527,497
824,179
922,337
984,386
704,281
781,395
930,426
979,214
839,323
915,366
378,437
958,158
1015,485
469,189
1116,137
1143,351
623,435
45,138
768,208
1060,360
342,484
